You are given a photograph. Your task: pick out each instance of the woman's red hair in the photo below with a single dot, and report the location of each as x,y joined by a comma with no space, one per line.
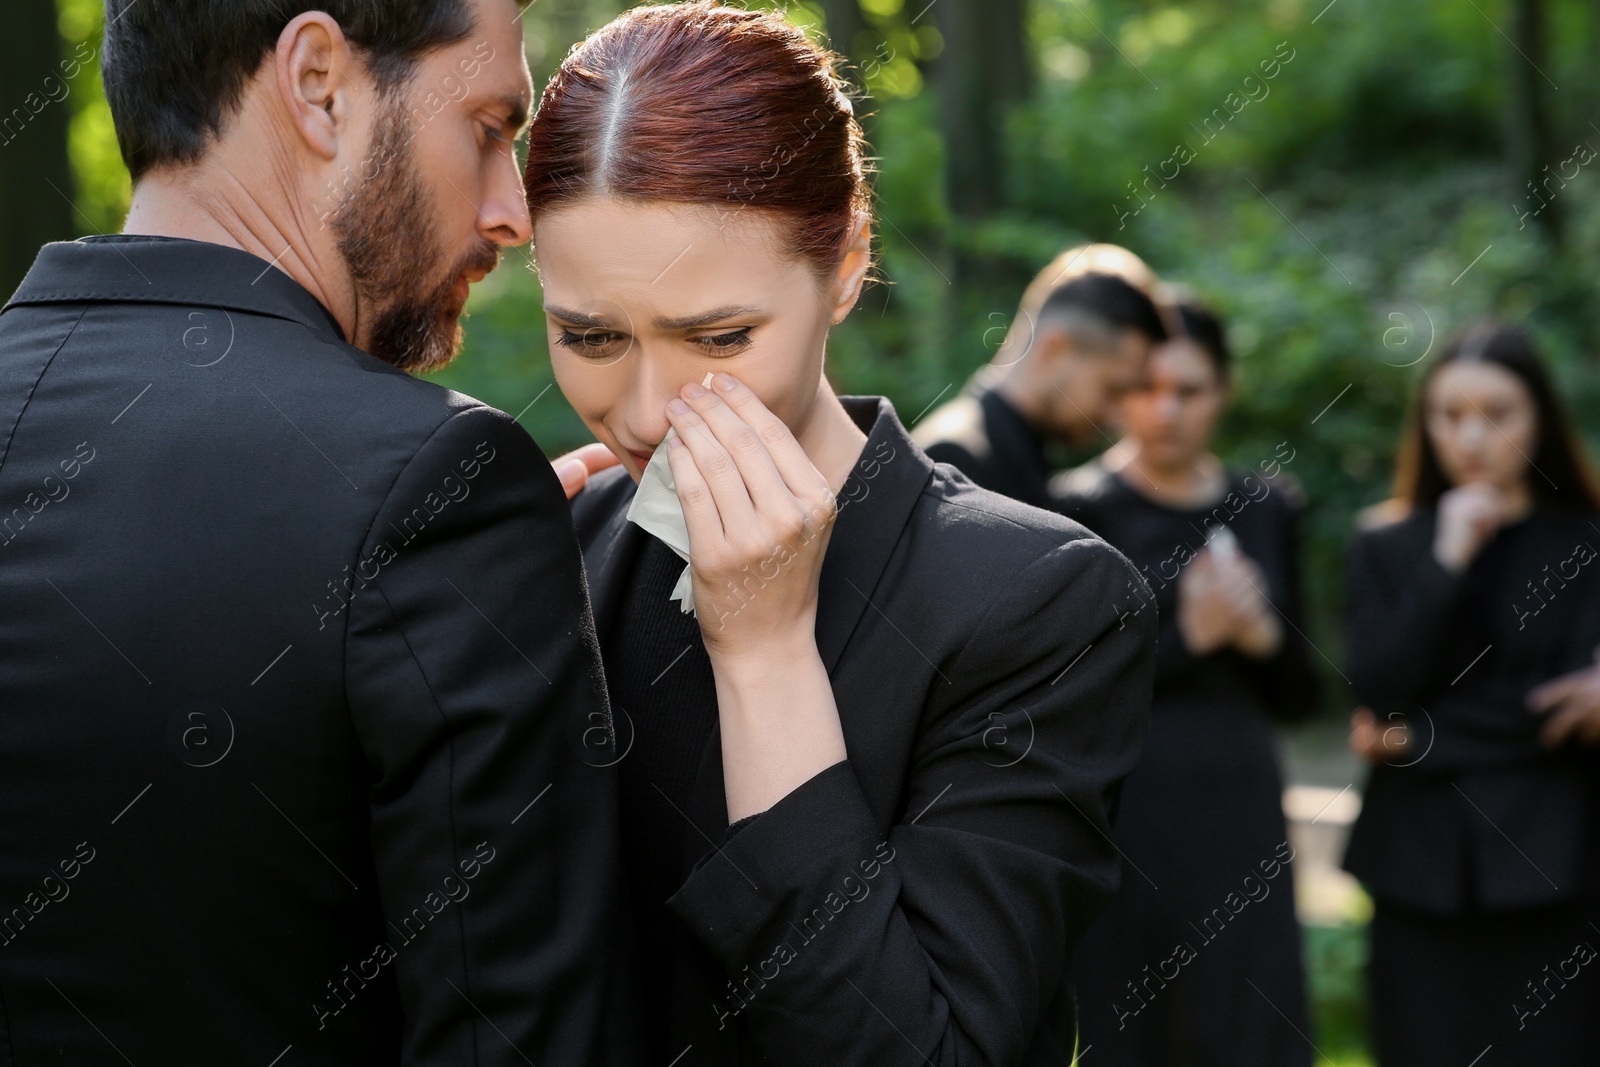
697,103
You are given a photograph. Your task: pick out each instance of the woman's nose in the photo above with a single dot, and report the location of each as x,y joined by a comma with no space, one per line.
648,395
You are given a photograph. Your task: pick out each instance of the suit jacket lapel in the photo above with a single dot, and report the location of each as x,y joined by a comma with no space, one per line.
874,507
609,558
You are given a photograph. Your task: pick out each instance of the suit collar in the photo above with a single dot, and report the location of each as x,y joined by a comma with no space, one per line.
130,268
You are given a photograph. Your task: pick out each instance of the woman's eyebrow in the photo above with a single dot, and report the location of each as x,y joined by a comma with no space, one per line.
707,318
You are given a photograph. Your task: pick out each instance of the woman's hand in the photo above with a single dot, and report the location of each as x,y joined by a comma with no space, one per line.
1375,742
1572,703
575,468
759,515
1468,516
1221,602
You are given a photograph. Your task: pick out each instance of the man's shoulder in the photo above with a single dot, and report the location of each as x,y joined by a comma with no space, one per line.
1087,483
364,403
957,426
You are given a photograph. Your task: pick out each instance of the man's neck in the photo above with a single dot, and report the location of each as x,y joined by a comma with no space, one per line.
1194,482
208,202
1015,389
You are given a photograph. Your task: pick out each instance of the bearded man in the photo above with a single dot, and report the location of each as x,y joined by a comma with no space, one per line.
303,744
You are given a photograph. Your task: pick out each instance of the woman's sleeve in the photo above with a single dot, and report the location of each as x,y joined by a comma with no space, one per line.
1399,605
945,943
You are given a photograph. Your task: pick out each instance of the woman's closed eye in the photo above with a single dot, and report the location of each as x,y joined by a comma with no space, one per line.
730,341
592,339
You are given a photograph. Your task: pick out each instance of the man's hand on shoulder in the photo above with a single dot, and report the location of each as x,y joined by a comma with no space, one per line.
575,468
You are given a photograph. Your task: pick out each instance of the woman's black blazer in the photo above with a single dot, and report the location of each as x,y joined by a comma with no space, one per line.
1479,816
917,903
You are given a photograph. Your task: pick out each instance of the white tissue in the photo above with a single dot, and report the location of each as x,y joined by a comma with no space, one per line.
657,511
1223,542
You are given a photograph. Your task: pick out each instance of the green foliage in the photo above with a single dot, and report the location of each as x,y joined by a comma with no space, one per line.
103,185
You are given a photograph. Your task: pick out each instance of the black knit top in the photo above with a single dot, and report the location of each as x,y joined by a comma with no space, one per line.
664,698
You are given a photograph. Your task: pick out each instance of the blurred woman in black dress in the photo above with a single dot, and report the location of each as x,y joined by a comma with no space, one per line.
1469,592
1207,900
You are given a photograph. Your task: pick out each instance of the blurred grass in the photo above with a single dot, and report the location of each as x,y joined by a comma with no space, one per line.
1336,960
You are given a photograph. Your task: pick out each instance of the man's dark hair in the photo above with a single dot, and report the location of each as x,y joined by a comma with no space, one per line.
1204,328
1103,303
175,70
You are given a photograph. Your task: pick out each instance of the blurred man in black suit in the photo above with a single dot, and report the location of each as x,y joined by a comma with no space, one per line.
303,742
1079,342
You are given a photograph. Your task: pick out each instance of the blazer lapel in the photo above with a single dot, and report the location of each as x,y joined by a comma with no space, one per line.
609,557
874,507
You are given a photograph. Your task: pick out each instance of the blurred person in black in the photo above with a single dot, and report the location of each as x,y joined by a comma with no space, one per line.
1079,342
1207,900
1472,617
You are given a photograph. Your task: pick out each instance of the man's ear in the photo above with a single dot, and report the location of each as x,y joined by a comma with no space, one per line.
851,276
314,67
1054,348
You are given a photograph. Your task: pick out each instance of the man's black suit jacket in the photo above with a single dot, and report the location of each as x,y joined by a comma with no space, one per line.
919,902
301,718
984,436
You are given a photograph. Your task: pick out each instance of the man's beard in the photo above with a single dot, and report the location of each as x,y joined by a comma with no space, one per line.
386,234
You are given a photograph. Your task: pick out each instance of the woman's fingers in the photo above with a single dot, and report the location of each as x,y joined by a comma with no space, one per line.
700,514
718,473
744,444
801,476
1556,692
747,528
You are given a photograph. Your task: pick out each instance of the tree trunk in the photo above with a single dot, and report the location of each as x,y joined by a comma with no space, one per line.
1008,56
971,143
983,70
1530,141
35,174
845,27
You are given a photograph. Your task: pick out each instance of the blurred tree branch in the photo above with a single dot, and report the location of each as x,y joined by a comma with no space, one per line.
985,68
845,24
1531,142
